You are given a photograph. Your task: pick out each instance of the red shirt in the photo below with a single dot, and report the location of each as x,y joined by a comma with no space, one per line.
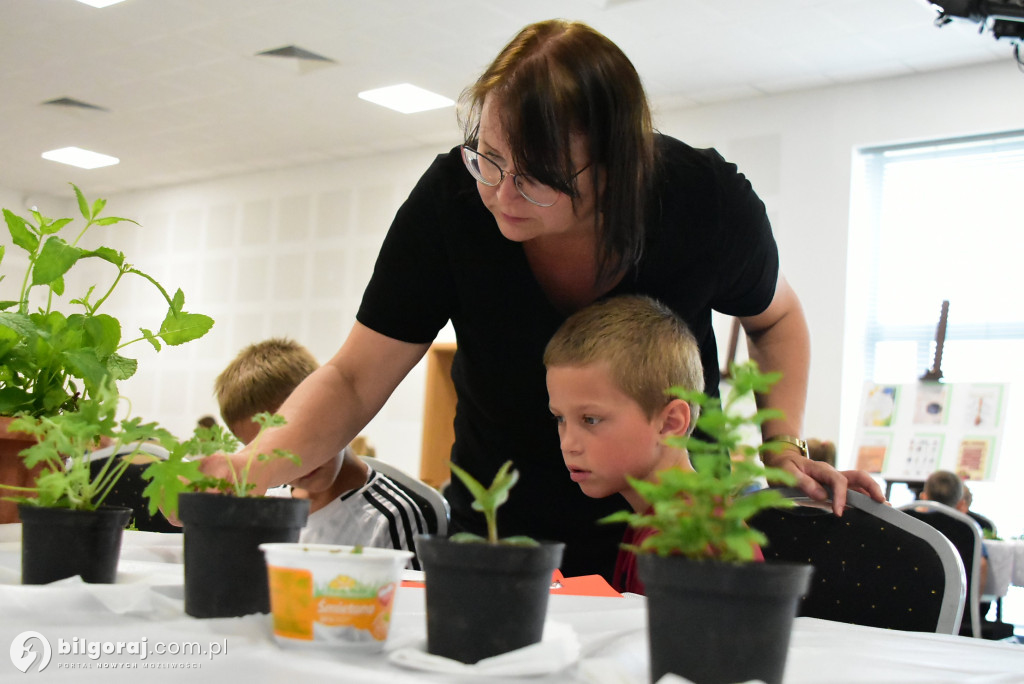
626,577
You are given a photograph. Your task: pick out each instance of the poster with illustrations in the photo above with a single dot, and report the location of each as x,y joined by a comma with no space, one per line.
907,431
973,456
879,406
983,404
871,451
930,403
922,458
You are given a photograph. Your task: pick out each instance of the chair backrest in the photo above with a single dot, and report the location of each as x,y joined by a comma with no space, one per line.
965,534
128,489
986,523
873,566
430,501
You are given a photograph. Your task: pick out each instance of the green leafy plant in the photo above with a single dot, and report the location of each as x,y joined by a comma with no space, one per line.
487,500
180,473
49,360
65,442
703,514
63,446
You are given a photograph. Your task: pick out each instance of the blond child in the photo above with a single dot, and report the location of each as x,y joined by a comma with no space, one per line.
608,368
350,503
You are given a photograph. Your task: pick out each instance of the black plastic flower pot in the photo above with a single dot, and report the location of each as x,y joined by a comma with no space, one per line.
485,599
719,623
225,571
58,542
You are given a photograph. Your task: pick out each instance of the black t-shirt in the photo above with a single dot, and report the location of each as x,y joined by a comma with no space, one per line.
708,246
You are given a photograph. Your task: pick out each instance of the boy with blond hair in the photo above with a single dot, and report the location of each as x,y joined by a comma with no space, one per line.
350,503
608,368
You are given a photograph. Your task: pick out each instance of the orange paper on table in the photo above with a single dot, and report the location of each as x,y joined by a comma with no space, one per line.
584,585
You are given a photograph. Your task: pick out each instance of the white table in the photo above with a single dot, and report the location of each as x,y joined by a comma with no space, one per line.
147,604
1005,565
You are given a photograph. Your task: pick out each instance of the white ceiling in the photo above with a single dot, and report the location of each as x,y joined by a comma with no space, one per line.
185,98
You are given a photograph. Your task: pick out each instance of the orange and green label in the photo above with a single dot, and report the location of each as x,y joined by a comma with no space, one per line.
297,602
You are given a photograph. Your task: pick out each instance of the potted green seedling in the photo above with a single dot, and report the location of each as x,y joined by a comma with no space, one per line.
224,523
66,528
58,347
715,617
485,596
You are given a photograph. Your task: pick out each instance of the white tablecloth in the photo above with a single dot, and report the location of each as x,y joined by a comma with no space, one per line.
1005,565
146,604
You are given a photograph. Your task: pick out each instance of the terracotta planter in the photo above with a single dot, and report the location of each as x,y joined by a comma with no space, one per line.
12,468
485,599
720,623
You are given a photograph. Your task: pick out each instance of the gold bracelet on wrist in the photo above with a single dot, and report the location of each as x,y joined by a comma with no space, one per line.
800,444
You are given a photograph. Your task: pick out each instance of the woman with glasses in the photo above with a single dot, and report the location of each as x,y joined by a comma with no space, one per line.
562,194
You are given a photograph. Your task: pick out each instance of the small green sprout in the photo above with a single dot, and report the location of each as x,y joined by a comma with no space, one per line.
487,500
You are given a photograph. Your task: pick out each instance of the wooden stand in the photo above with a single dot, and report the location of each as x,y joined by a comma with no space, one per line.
438,416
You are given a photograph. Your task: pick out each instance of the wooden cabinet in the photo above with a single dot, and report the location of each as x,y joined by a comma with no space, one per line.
438,415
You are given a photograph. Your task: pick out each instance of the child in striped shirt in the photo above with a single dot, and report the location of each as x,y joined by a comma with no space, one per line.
350,503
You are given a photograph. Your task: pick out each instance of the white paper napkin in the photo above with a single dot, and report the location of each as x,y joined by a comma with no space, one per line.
559,648
71,596
676,679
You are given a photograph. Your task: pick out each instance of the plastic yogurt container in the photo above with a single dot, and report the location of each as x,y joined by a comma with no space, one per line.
327,594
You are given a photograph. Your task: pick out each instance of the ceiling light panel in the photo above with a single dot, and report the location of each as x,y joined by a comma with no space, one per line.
406,98
100,3
83,159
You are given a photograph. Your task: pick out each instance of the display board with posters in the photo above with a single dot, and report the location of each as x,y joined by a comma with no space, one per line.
907,431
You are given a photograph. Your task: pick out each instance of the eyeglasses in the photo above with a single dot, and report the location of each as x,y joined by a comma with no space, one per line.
487,171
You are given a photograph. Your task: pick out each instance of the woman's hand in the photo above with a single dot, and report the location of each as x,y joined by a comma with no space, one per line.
814,476
229,466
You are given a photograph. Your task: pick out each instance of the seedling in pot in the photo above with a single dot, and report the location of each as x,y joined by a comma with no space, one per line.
180,472
487,500
703,514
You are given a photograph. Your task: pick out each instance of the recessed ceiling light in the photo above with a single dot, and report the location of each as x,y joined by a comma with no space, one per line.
406,98
83,159
100,3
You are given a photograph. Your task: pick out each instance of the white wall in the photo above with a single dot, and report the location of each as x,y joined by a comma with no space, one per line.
288,252
283,253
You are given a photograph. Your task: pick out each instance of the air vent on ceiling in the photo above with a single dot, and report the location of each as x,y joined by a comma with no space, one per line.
302,59
72,103
295,52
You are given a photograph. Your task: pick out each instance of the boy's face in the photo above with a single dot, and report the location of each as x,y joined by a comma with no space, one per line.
603,433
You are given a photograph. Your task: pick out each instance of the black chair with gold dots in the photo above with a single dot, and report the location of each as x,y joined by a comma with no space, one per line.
873,566
965,534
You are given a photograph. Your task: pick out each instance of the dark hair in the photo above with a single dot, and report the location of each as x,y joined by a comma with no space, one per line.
556,78
944,487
